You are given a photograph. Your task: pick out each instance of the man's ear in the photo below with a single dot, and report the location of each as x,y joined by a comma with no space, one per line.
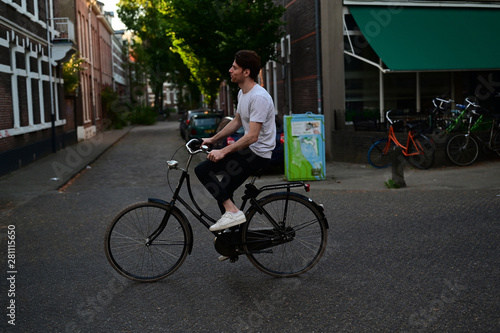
246,72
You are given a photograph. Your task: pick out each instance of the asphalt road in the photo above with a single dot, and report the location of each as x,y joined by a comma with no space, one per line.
414,260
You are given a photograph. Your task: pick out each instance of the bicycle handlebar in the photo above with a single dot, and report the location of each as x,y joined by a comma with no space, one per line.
472,103
441,102
387,117
194,146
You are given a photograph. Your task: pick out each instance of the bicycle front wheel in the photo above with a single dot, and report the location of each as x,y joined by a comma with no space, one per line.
380,154
424,149
462,149
292,246
131,252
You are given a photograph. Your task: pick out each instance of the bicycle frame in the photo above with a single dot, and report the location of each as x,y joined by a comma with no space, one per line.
405,149
409,140
251,193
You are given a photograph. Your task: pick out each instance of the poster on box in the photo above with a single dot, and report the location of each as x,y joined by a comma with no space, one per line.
304,147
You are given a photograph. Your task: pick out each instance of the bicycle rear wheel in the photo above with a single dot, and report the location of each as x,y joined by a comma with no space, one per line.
426,152
128,248
295,246
380,155
496,142
462,149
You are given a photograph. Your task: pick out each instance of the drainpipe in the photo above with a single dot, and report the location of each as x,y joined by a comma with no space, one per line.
91,3
318,59
51,88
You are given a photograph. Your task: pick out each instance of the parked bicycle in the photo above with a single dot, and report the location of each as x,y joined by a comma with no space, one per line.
461,118
439,118
443,119
419,149
285,233
463,149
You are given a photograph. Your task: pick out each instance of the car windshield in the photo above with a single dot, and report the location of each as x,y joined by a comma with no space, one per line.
205,121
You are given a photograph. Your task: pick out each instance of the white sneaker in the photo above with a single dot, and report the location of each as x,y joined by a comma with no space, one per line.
229,220
223,258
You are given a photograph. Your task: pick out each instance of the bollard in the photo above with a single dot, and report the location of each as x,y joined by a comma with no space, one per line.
398,166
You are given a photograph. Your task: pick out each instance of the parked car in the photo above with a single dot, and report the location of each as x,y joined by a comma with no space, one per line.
278,156
184,120
202,125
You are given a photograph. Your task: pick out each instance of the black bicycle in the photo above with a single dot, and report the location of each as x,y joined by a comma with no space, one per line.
285,233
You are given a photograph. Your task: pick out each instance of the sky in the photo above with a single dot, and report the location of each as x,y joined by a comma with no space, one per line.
110,6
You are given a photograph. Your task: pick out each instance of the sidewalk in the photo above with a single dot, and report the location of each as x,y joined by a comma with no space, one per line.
55,170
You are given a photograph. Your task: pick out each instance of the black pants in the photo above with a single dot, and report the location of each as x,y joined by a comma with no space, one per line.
234,169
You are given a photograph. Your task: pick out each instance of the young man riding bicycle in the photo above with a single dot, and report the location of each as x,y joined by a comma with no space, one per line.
236,162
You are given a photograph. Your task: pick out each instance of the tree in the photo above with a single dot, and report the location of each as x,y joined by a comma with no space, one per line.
71,73
145,19
207,34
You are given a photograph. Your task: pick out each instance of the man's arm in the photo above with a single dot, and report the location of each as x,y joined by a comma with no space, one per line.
229,129
245,141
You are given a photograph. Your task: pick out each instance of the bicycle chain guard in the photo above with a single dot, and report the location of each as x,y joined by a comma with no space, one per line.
228,242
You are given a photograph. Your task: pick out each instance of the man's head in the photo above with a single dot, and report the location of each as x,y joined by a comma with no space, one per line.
250,60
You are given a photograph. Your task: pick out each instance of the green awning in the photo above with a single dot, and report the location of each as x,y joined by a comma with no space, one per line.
416,38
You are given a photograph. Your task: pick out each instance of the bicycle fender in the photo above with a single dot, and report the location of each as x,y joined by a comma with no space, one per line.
318,207
183,216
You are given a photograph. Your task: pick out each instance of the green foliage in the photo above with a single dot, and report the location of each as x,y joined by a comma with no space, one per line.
153,54
390,184
121,114
143,115
71,73
113,109
195,40
108,97
207,34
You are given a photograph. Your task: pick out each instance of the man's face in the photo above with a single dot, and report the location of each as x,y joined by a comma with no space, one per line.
237,73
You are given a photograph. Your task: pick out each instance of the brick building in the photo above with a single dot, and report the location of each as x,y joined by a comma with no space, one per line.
36,118
33,121
95,46
345,59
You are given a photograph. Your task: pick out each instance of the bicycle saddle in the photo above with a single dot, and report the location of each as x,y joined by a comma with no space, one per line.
414,124
257,173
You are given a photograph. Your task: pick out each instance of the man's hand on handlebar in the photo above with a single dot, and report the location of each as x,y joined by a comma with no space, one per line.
207,142
216,155
205,145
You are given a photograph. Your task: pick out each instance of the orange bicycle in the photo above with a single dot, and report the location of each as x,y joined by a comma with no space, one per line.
419,149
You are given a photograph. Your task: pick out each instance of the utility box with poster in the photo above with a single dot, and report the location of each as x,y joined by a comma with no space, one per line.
304,147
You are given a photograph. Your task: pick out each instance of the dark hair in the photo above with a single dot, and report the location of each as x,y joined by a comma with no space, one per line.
247,59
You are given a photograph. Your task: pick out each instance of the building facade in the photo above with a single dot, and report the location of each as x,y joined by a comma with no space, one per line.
33,120
36,38
353,58
120,58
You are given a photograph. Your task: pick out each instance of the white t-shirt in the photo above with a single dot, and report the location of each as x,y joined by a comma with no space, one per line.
257,106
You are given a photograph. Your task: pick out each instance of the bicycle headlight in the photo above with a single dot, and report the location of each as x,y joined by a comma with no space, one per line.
172,164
